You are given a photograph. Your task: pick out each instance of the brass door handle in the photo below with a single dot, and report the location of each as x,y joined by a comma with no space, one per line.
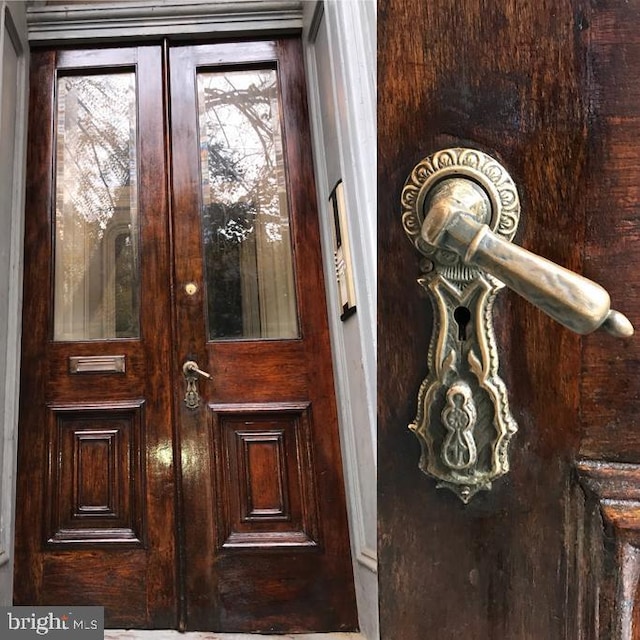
192,372
190,367
461,209
454,221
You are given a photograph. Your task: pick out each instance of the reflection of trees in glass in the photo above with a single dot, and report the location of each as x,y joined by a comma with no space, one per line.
96,193
126,315
244,204
239,134
97,116
225,226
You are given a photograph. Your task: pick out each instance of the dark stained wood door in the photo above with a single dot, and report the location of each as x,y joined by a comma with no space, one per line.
551,90
96,485
172,499
263,504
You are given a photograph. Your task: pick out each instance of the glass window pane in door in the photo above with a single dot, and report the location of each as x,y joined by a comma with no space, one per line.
245,216
96,234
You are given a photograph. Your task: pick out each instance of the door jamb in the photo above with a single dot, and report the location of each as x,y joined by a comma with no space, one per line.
342,103
13,26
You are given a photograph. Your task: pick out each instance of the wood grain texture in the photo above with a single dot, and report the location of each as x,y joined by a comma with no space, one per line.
612,567
95,487
35,316
258,587
44,575
265,482
235,522
548,89
610,384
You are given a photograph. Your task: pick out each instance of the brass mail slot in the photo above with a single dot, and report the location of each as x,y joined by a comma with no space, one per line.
96,364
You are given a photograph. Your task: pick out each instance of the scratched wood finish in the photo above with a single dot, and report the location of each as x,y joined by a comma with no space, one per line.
550,90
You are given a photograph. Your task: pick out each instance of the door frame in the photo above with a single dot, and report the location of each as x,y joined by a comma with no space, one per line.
183,20
340,50
12,25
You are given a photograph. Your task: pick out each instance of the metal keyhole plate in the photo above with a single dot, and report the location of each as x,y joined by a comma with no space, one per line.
463,422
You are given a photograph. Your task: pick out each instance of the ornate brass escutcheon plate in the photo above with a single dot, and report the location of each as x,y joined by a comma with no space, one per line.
463,420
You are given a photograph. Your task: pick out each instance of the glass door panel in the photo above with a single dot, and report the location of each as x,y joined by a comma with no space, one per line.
245,215
96,232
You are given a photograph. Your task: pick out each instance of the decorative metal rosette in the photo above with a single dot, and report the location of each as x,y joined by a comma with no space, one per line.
459,163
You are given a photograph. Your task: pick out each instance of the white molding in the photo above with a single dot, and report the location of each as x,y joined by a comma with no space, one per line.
351,155
16,29
354,72
353,50
363,554
368,558
83,22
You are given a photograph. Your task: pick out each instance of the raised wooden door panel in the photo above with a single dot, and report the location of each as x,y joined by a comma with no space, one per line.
95,482
96,486
267,548
551,550
266,489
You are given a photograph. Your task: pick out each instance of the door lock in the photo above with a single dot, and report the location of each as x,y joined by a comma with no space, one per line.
191,372
461,210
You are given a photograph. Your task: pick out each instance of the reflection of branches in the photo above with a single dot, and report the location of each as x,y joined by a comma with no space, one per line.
96,120
244,214
80,162
221,164
228,223
248,102
237,129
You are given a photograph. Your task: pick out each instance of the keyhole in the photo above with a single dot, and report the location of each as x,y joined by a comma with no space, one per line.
462,315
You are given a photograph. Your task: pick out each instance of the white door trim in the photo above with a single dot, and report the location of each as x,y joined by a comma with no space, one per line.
80,22
339,39
13,27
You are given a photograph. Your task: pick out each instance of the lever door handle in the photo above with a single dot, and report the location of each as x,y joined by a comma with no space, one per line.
452,222
191,367
461,209
191,372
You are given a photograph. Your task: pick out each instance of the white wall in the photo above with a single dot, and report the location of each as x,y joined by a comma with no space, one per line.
13,111
340,53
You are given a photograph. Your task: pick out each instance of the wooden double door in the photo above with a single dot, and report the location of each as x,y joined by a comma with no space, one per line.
171,233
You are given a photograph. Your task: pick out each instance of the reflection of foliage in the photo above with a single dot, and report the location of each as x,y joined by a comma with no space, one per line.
126,314
228,223
221,165
96,118
96,191
225,228
242,181
239,133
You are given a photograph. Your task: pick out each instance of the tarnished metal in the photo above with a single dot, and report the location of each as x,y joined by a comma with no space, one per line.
571,299
97,364
191,373
461,210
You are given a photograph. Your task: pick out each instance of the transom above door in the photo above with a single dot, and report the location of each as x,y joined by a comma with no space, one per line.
179,459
